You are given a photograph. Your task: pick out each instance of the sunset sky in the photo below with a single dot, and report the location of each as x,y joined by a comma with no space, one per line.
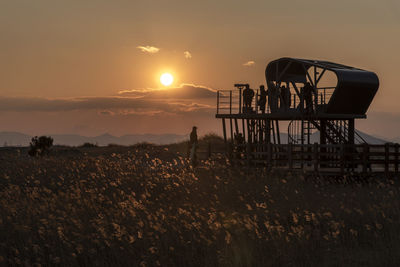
93,67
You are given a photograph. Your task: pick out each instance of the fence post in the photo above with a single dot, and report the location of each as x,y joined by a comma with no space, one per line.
269,156
290,156
240,100
342,160
396,158
315,156
217,102
386,158
230,102
365,157
224,132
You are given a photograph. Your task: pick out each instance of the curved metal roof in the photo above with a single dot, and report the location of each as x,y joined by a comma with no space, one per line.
355,87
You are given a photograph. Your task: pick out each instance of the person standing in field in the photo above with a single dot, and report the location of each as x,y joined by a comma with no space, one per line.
193,143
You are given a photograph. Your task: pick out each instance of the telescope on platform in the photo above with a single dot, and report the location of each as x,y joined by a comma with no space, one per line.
241,85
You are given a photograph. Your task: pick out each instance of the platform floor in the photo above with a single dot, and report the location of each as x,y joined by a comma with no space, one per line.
288,116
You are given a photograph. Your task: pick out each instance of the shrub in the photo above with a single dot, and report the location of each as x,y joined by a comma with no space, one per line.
40,146
212,137
142,145
87,144
114,145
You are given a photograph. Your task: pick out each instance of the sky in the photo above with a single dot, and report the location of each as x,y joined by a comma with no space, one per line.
93,67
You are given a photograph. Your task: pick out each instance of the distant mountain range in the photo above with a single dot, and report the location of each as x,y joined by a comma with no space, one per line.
20,139
396,140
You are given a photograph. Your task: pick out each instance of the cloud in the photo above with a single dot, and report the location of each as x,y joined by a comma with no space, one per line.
104,105
131,111
184,91
187,55
149,49
249,63
106,112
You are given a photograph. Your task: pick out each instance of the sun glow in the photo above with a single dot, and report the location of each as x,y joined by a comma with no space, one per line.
166,79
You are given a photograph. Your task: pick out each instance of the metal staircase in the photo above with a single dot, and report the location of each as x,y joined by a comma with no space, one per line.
300,131
337,132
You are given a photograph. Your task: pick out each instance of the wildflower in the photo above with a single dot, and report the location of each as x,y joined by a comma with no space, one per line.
152,250
261,205
295,218
353,232
228,237
79,248
56,260
335,234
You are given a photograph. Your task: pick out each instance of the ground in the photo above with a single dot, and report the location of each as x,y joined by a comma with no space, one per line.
146,206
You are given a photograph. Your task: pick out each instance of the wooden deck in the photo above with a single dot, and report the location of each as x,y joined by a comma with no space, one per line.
288,116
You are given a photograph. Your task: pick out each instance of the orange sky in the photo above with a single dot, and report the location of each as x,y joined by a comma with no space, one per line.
81,54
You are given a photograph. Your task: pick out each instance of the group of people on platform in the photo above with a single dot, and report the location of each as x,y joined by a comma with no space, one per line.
279,98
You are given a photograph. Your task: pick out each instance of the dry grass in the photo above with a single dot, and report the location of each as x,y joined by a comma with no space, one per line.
143,206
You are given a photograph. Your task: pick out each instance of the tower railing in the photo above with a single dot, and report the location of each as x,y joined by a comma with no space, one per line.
231,101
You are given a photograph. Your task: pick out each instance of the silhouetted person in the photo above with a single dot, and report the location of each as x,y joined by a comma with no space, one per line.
263,98
285,97
272,97
307,93
193,143
248,95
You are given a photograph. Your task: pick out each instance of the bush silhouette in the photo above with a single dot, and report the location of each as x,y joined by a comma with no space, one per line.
87,145
40,146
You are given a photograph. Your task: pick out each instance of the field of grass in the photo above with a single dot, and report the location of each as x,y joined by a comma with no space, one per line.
145,206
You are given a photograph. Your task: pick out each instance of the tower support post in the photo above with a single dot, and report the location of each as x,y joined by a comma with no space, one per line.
351,132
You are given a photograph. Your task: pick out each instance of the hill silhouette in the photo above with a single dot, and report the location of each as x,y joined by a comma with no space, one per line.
21,139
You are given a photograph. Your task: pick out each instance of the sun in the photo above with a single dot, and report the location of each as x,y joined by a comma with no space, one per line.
166,79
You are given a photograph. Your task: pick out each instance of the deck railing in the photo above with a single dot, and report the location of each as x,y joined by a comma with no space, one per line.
339,158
